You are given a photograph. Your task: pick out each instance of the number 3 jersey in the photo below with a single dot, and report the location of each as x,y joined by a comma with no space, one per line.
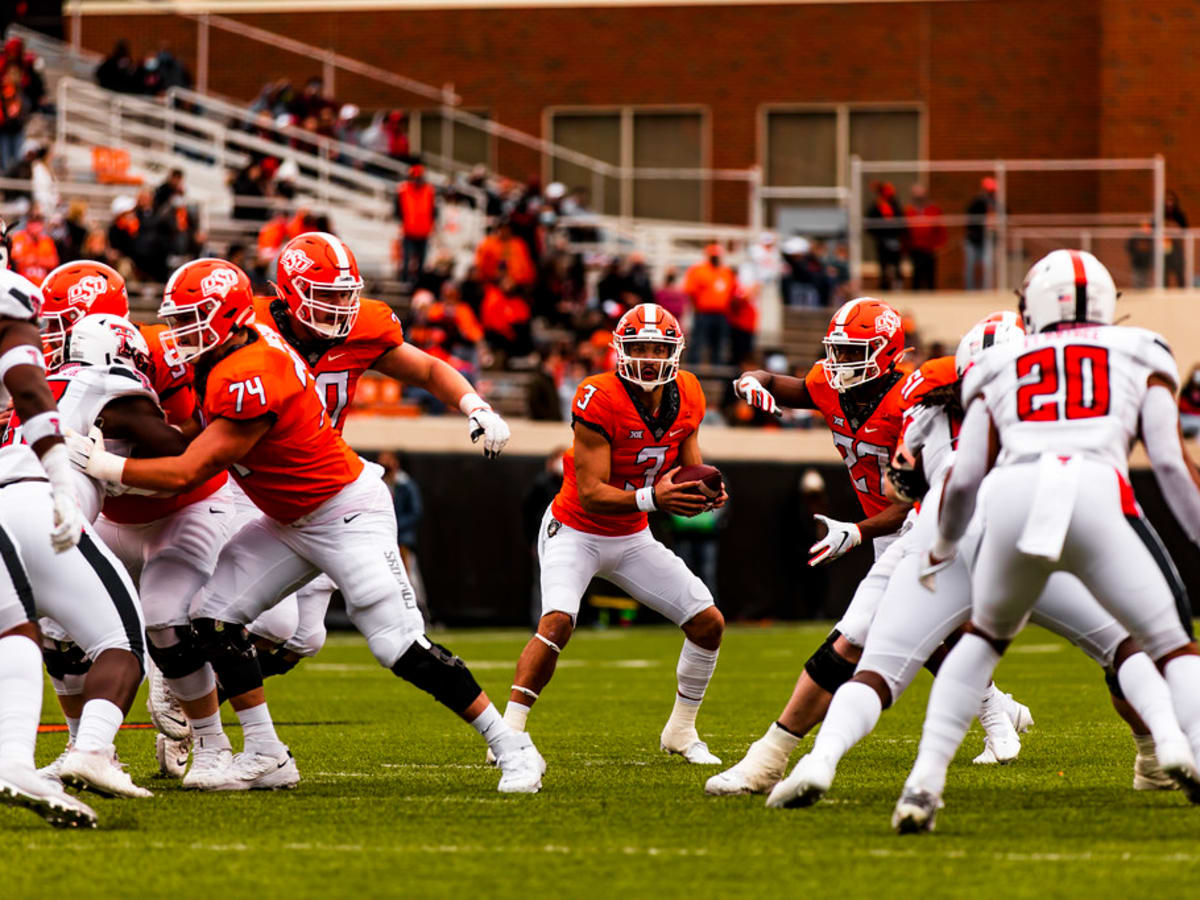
866,434
338,364
301,461
1075,391
642,447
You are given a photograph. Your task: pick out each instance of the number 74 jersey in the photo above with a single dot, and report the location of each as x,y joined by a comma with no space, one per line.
1076,391
642,448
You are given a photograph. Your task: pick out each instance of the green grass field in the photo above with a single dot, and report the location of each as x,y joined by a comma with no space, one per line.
396,800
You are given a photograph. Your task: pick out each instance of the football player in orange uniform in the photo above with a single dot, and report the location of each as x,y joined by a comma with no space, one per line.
319,312
169,544
633,429
324,509
862,395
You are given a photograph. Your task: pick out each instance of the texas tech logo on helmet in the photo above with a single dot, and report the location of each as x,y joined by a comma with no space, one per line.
295,260
219,282
85,291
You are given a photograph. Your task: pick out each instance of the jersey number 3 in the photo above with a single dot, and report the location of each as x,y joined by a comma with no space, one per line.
1082,369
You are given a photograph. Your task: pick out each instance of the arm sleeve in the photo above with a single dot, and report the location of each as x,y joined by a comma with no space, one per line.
971,464
1160,434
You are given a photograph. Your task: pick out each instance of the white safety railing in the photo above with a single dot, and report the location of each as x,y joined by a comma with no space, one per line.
999,223
1128,251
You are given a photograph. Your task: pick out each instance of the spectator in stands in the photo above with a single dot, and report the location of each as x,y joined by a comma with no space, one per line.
416,207
70,234
250,183
797,282
96,247
743,321
501,251
478,179
32,252
637,279
710,286
119,72
394,130
463,331
926,237
1189,404
125,226
886,228
310,101
542,392
44,185
169,189
506,320
1140,248
611,284
669,296
1173,217
978,249
15,108
162,71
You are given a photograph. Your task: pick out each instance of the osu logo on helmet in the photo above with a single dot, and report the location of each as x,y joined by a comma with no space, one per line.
648,323
295,260
73,291
865,340
219,282
320,282
204,301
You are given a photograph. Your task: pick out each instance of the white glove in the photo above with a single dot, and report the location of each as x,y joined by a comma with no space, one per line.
944,553
89,456
751,390
842,536
68,520
486,423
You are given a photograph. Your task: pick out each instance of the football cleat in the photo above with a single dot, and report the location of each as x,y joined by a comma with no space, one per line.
266,771
755,773
1179,765
212,767
1001,745
916,811
172,755
52,770
1019,713
22,786
808,783
521,766
100,772
687,743
165,711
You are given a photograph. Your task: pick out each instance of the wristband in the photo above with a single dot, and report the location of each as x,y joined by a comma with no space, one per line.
645,499
43,425
472,402
21,355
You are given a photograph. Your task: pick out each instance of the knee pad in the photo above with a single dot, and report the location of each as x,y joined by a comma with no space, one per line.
228,647
309,644
181,658
63,658
438,672
828,668
1114,683
276,661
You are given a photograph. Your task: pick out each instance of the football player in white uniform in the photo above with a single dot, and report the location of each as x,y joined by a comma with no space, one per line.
910,622
55,526
1048,426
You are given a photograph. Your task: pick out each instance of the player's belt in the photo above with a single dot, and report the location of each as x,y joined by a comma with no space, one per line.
4,484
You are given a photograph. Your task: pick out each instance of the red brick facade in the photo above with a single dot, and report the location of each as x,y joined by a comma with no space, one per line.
997,78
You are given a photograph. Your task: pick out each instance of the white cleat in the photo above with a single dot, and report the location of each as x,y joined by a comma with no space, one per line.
165,711
916,811
22,786
1018,714
1001,745
808,783
1180,766
267,771
52,771
521,766
172,755
212,767
100,772
687,744
755,773
1148,775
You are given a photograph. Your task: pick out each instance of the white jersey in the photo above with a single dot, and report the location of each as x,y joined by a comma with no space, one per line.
930,432
81,393
1070,392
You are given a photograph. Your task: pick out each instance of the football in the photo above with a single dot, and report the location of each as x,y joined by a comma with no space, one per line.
709,477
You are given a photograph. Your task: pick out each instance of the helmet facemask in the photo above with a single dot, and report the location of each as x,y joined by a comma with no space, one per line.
850,362
54,327
647,372
189,330
328,309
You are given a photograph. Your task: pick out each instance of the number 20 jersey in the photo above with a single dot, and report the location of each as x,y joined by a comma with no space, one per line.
1075,391
642,449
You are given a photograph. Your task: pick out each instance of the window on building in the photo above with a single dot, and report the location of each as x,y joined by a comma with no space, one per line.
471,145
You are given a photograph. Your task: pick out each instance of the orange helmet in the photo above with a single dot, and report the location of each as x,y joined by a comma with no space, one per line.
865,340
319,281
648,323
75,290
203,302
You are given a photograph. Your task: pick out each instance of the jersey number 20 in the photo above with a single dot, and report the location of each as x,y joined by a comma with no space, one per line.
1083,369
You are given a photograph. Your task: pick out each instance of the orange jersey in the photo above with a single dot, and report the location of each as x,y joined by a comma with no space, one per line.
178,400
932,373
301,461
642,449
338,365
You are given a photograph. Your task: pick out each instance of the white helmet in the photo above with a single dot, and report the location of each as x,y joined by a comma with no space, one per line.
105,340
998,328
1067,287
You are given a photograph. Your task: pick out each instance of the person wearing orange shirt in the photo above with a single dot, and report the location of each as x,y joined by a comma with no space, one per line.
710,286
417,209
33,252
500,251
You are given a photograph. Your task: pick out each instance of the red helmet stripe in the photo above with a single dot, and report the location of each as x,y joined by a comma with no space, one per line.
1080,286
